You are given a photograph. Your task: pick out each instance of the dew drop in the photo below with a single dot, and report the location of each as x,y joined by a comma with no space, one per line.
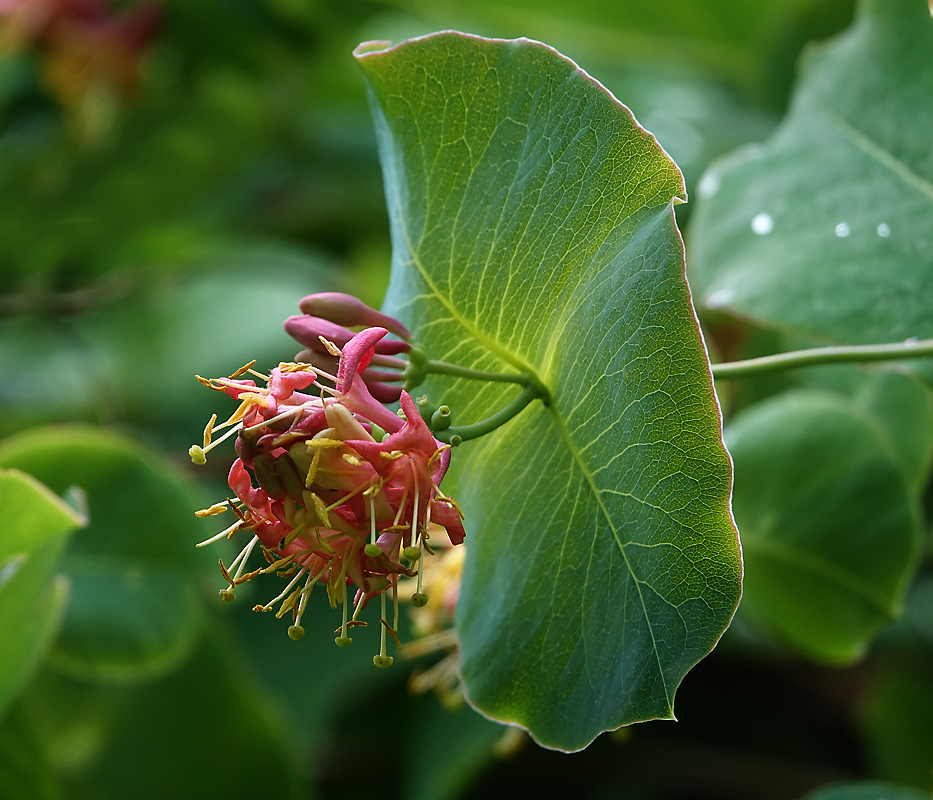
719,298
762,224
884,230
709,185
842,230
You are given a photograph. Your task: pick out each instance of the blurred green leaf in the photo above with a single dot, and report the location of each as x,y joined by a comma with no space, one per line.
34,529
899,403
454,747
897,724
532,231
133,610
866,791
206,733
903,407
825,229
208,322
830,530
25,773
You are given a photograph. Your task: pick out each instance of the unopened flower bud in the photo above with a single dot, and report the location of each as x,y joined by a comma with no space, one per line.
344,309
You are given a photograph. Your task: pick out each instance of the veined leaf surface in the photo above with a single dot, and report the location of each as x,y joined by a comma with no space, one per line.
825,228
533,232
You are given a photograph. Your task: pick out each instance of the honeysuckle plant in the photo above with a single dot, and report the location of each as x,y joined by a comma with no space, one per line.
516,471
550,329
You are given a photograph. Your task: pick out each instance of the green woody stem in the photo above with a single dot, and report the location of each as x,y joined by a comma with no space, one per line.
824,355
455,435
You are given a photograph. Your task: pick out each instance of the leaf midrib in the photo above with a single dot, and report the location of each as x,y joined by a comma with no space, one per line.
821,568
876,151
520,365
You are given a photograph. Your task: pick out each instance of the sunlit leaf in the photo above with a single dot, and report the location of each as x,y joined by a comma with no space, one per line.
825,228
533,232
829,527
133,611
34,528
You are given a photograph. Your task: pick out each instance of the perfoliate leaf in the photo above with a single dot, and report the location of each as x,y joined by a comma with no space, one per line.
825,228
830,528
533,232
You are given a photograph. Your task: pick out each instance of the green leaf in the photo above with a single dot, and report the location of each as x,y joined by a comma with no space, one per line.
866,791
133,612
897,723
898,402
205,730
825,229
34,528
455,745
533,232
830,530
25,773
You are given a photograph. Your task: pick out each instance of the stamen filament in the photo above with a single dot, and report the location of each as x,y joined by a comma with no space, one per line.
226,532
286,590
240,560
382,630
361,488
223,438
282,415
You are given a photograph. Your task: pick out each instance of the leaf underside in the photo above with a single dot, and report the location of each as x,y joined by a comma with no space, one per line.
533,232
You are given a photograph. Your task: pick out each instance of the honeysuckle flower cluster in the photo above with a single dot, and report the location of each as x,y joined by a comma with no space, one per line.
333,488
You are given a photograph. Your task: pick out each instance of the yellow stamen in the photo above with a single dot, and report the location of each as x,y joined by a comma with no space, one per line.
323,443
209,429
321,509
437,453
242,370
209,383
330,347
217,508
312,470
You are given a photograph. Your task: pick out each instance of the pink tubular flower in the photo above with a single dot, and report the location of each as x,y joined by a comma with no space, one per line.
334,487
329,316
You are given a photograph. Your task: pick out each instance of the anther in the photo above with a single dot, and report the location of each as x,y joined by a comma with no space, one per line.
197,454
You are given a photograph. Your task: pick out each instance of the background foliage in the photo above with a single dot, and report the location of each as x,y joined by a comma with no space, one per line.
150,234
